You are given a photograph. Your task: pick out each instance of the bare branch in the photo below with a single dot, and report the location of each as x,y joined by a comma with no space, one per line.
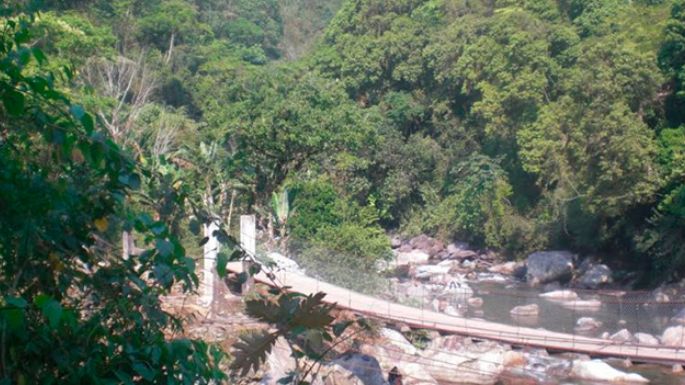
128,84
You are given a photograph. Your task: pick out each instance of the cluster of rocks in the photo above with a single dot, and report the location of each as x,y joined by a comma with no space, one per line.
428,273
673,335
539,268
446,359
423,249
562,267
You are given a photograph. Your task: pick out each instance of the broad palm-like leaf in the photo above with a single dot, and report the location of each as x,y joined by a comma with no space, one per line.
251,350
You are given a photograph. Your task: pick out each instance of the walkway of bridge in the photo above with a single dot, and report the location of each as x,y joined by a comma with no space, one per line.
476,328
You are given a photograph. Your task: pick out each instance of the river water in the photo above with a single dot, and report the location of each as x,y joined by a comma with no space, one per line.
634,311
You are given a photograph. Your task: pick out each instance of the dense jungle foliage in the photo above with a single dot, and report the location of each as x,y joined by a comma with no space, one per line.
514,125
127,125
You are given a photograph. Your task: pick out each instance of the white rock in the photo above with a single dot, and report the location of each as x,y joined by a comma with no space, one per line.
674,336
583,305
396,351
661,297
597,370
587,324
622,335
456,247
504,268
525,311
491,277
414,257
278,363
396,339
560,295
646,339
452,311
466,363
448,263
427,271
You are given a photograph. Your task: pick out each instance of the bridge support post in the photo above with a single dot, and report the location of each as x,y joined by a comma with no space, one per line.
249,244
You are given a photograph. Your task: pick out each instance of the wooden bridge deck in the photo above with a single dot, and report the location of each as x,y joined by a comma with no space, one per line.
477,328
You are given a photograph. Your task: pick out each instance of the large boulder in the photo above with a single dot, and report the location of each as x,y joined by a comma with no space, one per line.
396,351
425,243
598,370
539,368
459,250
596,277
549,266
646,339
278,364
674,336
457,360
396,339
363,366
622,336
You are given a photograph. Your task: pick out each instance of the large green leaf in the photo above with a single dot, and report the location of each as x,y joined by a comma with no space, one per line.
251,350
264,310
313,313
14,102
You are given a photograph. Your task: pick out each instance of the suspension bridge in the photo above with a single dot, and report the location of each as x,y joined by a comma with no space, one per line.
476,328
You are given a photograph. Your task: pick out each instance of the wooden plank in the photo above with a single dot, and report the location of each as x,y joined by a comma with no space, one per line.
426,319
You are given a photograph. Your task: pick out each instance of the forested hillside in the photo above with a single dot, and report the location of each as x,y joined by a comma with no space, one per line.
133,131
520,125
513,125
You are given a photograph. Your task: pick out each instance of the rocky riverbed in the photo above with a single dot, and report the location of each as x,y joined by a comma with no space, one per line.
546,290
554,290
453,360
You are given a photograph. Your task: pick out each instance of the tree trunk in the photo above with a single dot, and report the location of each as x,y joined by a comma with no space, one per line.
171,48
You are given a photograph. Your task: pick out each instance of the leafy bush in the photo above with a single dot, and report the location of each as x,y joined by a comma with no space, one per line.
72,310
476,209
335,238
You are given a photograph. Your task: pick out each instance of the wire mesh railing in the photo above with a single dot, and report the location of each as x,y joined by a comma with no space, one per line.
356,284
